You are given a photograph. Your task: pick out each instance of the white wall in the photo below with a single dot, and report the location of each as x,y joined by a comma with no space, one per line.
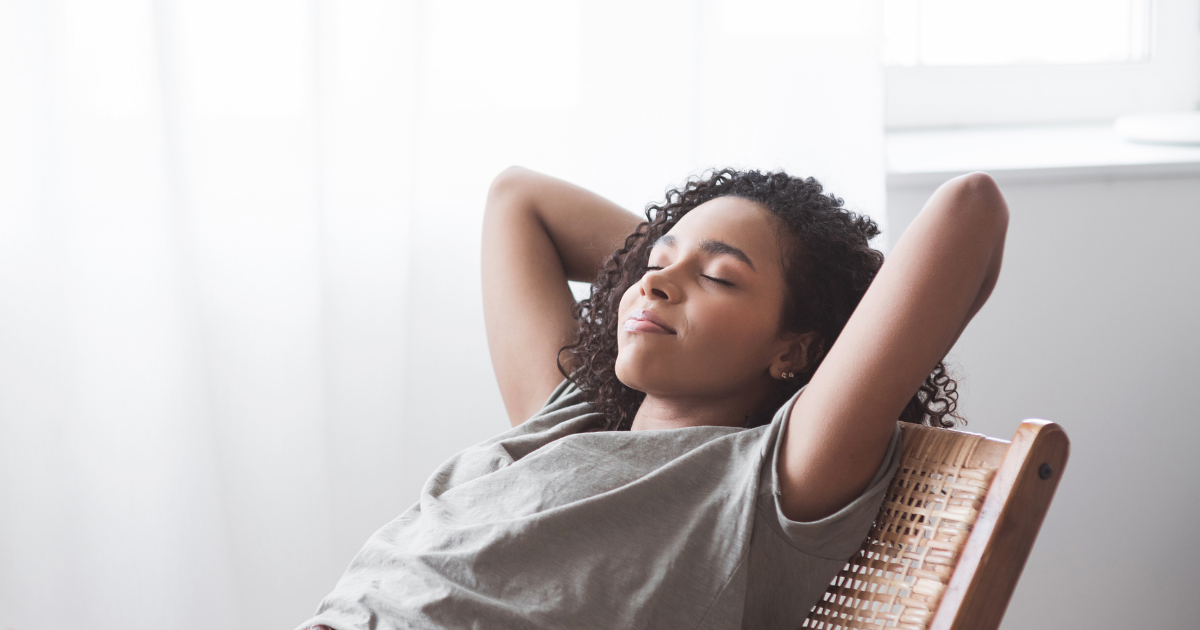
1095,324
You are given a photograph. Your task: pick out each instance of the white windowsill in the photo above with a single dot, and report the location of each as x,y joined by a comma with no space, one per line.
1030,153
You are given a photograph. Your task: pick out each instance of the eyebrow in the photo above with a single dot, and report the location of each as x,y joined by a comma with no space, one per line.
710,246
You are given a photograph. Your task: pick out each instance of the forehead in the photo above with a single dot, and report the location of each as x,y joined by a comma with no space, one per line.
739,222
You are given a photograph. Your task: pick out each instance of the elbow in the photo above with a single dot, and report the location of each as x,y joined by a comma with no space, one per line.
507,182
978,199
979,184
507,191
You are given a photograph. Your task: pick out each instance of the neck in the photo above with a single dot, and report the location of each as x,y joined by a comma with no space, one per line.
659,412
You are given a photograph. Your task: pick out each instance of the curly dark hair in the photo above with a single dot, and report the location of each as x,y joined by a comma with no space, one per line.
827,263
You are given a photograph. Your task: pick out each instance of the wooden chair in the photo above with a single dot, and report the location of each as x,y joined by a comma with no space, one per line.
953,533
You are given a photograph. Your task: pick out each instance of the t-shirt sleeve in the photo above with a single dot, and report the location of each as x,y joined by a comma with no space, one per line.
565,403
839,535
566,392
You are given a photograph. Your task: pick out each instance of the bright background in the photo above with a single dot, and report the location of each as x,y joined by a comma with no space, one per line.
240,317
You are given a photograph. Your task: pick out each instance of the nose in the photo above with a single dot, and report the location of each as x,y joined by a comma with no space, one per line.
657,286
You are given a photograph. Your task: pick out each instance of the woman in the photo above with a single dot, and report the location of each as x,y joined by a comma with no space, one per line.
727,425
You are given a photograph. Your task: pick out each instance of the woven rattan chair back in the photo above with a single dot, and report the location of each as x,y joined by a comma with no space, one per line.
953,533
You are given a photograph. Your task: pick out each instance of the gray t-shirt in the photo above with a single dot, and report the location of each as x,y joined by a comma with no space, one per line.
549,526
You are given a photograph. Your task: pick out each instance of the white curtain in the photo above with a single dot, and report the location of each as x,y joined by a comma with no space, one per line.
239,295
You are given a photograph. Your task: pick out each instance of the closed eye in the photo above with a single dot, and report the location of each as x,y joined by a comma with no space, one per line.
717,280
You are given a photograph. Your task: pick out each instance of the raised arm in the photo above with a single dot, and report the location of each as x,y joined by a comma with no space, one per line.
934,281
539,232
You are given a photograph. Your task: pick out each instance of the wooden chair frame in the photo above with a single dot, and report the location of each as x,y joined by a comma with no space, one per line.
1007,526
890,583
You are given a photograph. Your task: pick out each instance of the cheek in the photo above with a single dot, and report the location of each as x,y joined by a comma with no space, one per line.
735,329
623,308
626,298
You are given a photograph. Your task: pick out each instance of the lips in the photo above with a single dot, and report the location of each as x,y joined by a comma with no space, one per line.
643,320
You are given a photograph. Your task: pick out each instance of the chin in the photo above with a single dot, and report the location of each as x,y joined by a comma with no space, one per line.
631,373
627,377
644,376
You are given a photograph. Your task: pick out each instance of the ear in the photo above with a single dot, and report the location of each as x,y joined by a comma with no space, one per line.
792,355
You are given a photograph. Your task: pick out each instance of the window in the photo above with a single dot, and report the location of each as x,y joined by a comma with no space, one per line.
979,62
1016,32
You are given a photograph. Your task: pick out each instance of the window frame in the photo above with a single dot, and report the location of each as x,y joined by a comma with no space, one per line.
926,96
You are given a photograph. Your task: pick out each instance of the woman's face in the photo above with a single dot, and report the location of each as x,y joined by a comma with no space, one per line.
704,321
